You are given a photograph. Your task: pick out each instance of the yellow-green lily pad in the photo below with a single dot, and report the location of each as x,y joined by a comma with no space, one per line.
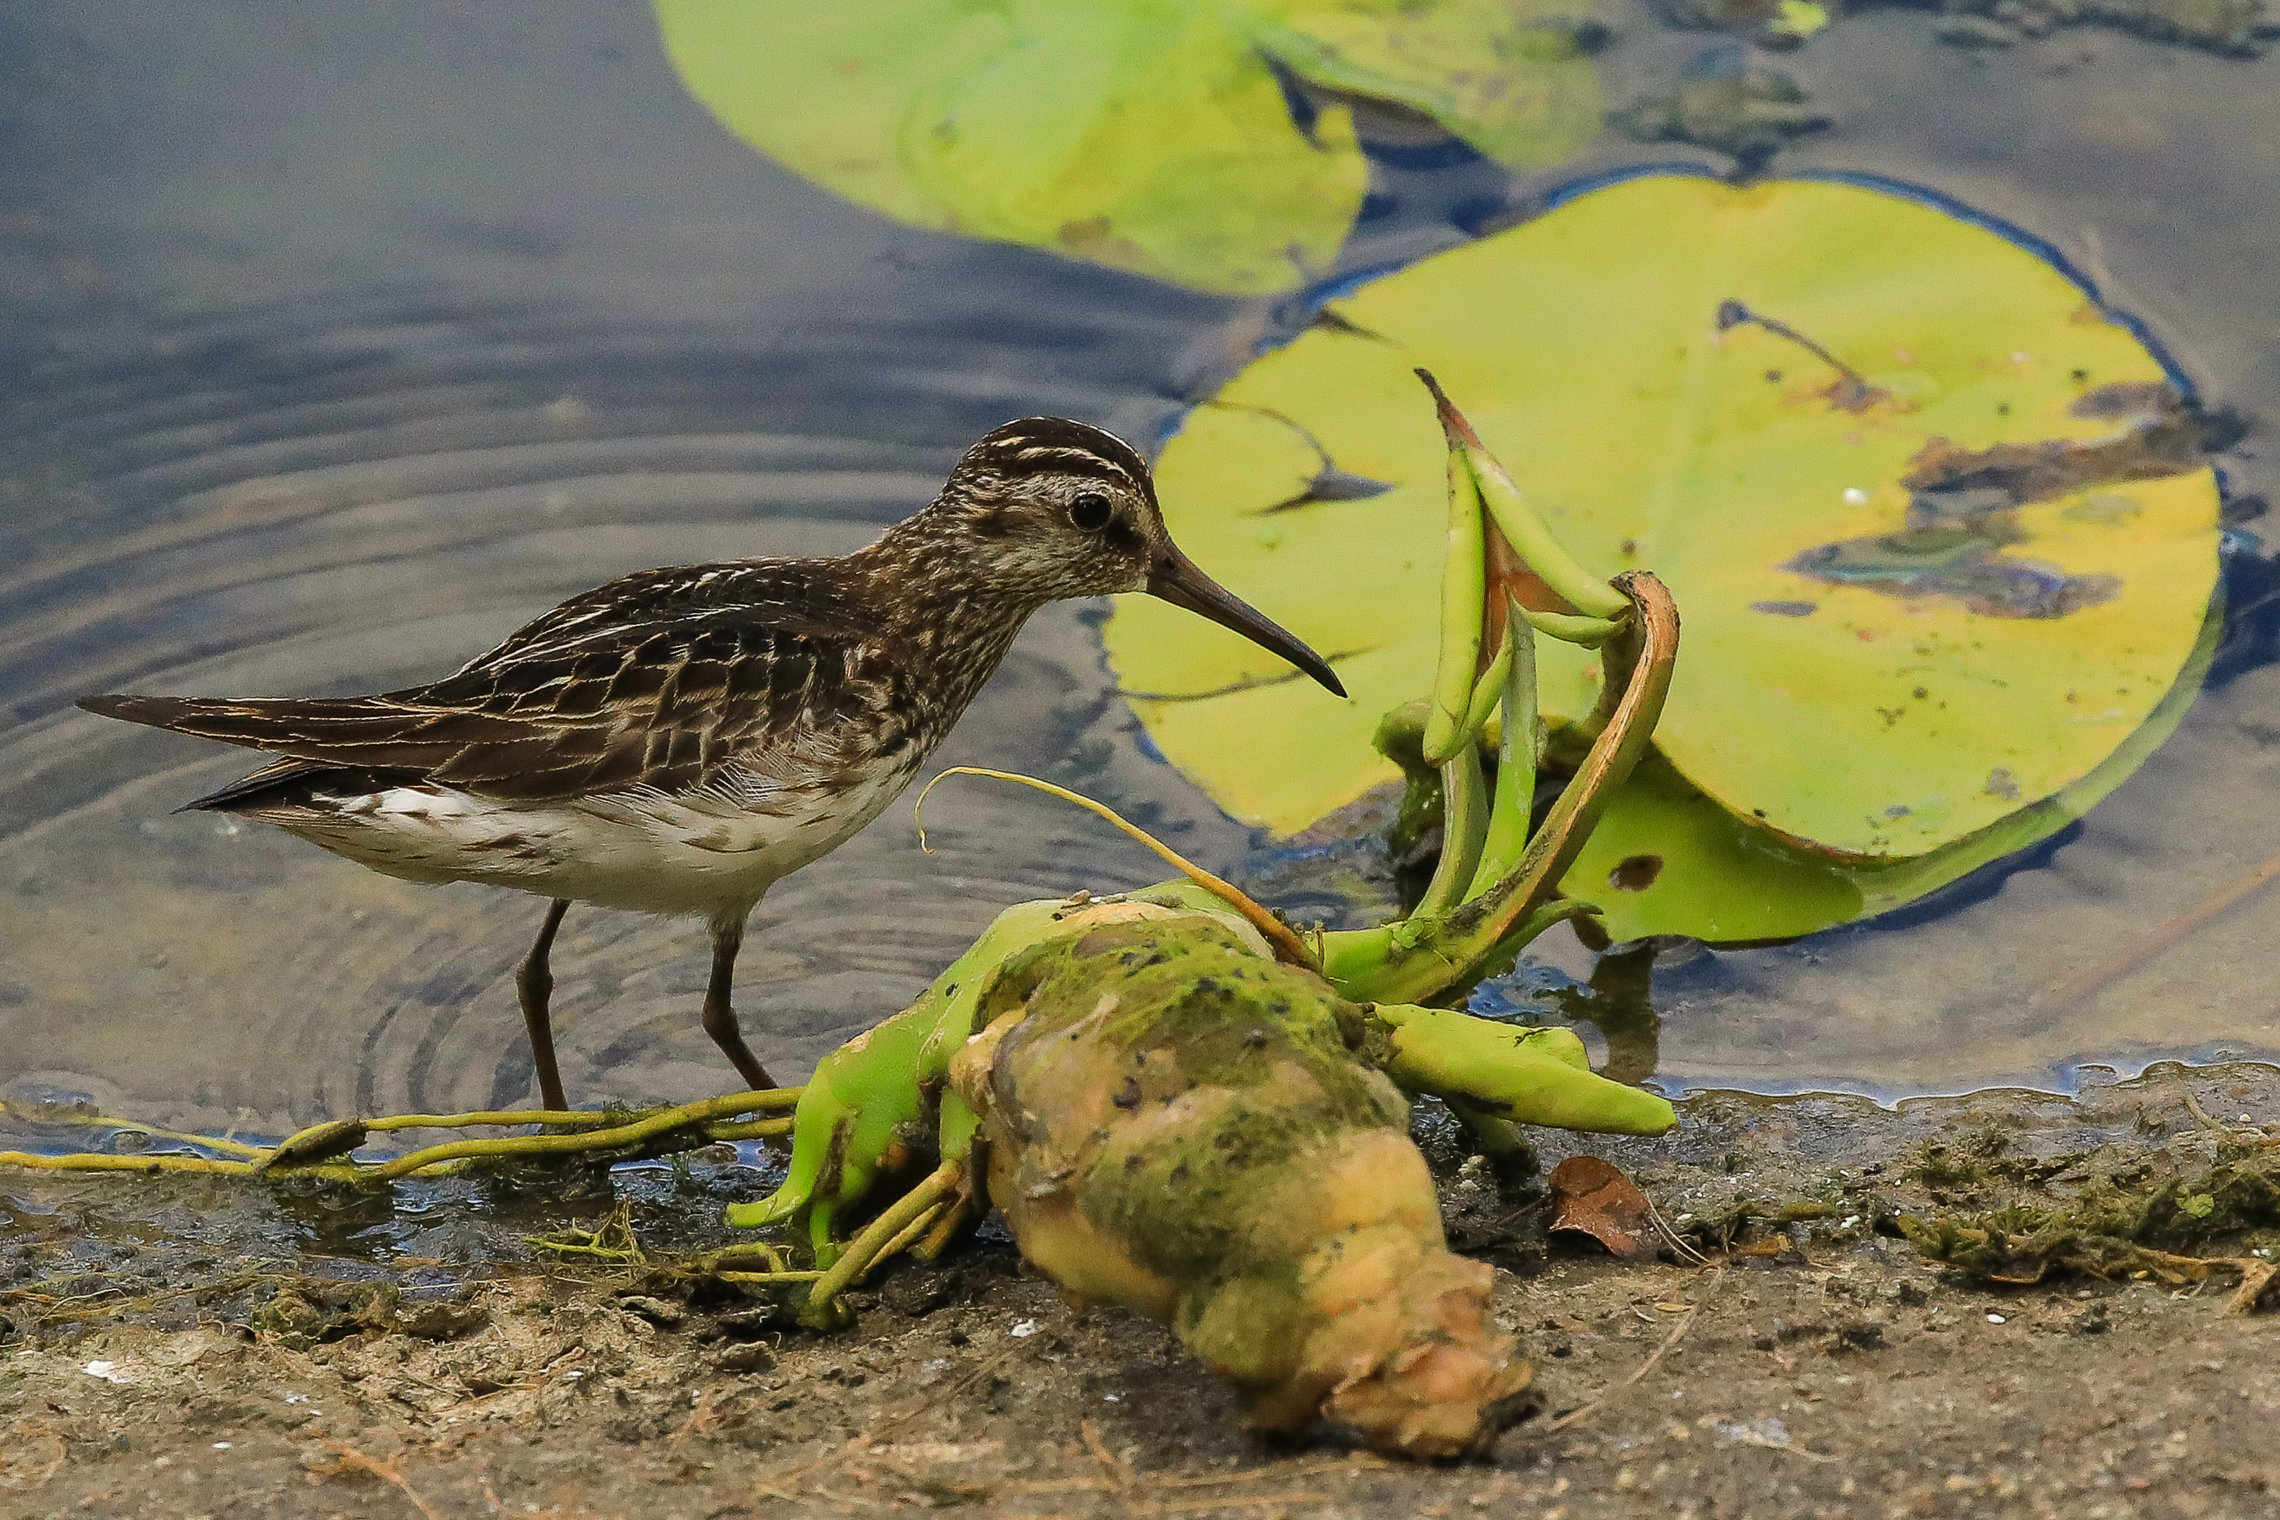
1938,523
1148,135
1665,859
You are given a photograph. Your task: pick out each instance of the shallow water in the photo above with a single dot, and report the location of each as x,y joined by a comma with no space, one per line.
332,346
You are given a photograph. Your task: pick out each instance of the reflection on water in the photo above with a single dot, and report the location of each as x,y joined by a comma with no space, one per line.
333,346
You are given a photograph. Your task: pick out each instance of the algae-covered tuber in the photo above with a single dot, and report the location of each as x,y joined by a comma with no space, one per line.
1176,1123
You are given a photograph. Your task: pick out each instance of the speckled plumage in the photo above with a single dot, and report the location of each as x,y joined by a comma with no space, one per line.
680,739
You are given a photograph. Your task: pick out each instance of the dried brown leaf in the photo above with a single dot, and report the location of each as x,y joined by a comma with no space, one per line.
1593,1197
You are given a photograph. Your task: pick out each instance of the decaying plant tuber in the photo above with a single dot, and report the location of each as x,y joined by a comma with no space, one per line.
1176,1123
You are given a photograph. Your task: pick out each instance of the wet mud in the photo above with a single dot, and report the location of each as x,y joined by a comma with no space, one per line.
193,1348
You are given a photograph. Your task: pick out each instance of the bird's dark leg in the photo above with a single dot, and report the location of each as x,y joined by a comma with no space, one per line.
720,1012
535,984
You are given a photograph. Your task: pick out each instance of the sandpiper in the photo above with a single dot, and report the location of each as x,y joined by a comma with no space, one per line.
679,740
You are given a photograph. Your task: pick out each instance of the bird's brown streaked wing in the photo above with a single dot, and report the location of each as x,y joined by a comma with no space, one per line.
660,707
792,596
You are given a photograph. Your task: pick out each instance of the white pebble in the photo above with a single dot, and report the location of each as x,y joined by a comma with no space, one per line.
1024,1329
221,1446
108,1371
1996,1319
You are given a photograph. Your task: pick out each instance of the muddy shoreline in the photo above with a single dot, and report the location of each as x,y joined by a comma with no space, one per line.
195,1347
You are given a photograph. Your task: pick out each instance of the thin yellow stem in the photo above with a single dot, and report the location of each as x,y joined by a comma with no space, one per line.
104,1121
1288,946
151,1166
881,1233
687,1115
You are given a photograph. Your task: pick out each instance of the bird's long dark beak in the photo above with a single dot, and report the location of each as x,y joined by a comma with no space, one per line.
1177,580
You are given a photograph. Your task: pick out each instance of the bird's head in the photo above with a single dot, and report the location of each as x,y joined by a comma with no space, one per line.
1046,508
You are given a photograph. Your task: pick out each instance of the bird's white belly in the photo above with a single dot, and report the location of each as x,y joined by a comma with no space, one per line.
647,852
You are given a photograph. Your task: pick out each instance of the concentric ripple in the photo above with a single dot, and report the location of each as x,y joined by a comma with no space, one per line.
334,346
203,970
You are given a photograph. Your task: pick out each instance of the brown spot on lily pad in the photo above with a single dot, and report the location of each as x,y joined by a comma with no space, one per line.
1635,873
2166,437
1959,564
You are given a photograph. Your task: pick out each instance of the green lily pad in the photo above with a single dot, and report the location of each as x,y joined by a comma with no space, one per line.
1937,523
1666,859
1149,135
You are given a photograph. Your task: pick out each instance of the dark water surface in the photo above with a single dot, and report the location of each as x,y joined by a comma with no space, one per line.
337,340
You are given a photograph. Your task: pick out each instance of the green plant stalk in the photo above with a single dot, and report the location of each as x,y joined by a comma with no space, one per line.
1464,579
1465,822
1488,691
1526,1076
1570,628
309,1152
878,1240
1513,806
882,1086
97,1161
1417,959
1529,537
103,1121
633,1134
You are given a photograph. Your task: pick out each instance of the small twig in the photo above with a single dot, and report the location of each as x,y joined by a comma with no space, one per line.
1685,1248
1854,392
2193,1106
1119,1475
353,1460
700,1418
772,1257
1575,1416
1202,1506
2255,1277
2155,941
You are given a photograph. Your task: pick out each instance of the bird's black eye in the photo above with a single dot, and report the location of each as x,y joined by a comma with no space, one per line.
1090,512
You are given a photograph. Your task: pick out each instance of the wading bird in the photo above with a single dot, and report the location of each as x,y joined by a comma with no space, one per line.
679,740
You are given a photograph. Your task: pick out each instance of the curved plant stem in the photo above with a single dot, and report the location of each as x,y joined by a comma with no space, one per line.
96,1161
648,1127
1571,628
308,1153
1420,958
105,1121
1288,946
1488,691
881,1234
1609,763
